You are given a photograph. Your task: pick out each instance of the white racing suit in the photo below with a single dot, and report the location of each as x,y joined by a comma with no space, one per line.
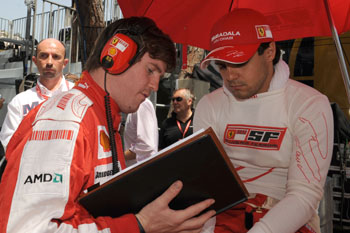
280,143
60,149
22,103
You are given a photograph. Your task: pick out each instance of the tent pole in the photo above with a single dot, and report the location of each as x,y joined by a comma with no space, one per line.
340,54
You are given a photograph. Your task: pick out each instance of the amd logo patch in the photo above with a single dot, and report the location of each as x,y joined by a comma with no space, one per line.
44,178
257,137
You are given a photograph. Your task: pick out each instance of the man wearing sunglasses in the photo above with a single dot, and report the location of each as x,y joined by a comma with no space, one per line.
179,125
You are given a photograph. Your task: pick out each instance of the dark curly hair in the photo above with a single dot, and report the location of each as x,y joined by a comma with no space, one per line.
151,40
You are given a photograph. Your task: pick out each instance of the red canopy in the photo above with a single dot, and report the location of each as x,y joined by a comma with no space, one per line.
190,21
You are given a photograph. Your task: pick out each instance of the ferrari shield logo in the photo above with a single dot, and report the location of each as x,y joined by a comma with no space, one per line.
263,31
115,41
230,134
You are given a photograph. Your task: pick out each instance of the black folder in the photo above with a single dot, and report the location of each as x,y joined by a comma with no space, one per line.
199,161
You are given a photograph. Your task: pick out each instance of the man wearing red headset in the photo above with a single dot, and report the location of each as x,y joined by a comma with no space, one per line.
73,138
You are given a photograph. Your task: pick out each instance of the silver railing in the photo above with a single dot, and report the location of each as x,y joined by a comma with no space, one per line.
12,29
55,23
53,20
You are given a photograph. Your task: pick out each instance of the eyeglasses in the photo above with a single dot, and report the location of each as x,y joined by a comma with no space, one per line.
178,99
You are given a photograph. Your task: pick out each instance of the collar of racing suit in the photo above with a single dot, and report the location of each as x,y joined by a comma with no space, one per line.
91,89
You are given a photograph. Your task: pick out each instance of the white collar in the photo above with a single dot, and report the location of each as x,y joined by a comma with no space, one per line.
280,77
47,92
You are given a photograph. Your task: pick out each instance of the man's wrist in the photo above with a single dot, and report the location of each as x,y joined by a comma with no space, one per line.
140,226
129,155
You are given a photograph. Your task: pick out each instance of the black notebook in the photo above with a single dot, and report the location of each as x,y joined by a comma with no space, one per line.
199,161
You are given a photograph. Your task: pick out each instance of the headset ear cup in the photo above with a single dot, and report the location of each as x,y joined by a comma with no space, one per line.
118,53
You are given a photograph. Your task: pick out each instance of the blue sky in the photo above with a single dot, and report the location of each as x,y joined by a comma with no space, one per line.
14,9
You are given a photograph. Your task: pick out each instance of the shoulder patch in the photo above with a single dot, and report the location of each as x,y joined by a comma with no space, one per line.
66,106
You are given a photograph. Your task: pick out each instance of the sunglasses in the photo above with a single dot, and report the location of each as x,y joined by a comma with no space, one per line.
178,99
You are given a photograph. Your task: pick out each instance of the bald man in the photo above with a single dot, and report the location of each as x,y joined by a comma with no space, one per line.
50,61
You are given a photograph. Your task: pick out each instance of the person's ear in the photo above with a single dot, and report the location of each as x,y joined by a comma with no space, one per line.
270,51
65,62
190,101
34,59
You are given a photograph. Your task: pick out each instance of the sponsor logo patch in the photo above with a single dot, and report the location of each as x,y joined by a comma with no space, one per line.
263,31
104,141
64,100
256,137
222,36
119,44
44,178
27,107
115,41
112,51
83,85
50,177
104,150
46,135
104,173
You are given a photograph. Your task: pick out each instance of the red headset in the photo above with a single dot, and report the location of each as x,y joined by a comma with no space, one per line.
118,54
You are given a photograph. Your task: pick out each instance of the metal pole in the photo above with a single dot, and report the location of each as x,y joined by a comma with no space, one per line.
50,31
42,21
59,5
78,45
341,60
33,36
105,14
11,29
27,39
70,12
58,23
